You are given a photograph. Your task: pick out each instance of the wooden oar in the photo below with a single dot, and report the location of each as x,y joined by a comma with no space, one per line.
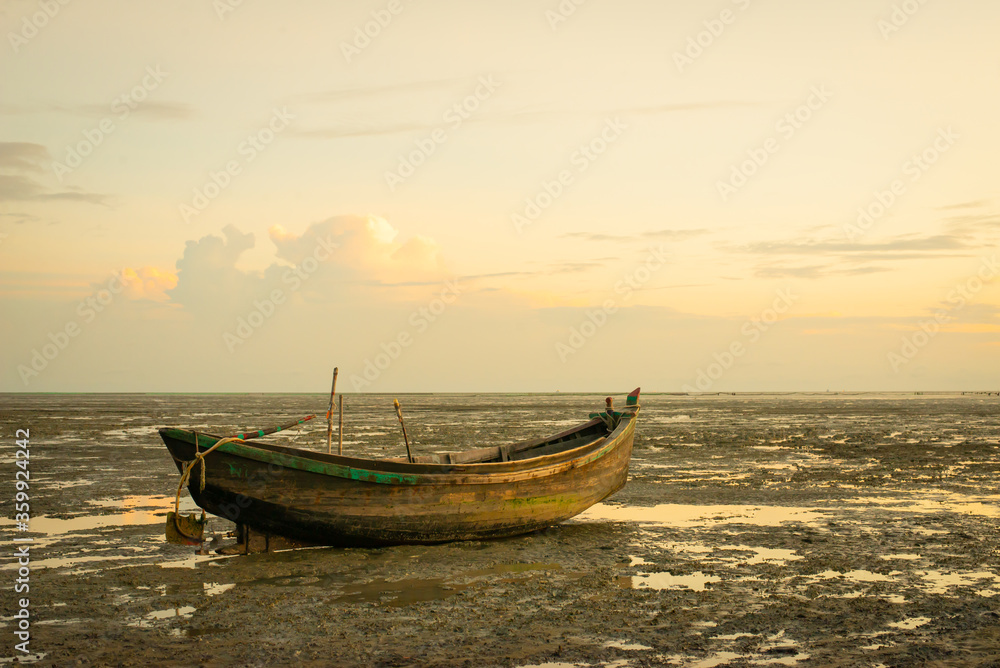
399,414
329,413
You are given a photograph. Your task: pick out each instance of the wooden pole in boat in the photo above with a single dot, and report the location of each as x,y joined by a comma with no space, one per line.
340,428
329,413
399,414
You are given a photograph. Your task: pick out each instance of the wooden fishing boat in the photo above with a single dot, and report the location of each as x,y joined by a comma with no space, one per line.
271,490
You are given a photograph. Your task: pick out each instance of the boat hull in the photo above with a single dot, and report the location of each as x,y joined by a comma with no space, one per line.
332,500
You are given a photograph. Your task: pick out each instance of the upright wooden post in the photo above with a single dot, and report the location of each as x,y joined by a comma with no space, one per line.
340,428
329,413
399,414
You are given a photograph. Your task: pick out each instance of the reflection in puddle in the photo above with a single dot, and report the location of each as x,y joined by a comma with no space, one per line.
695,581
214,588
158,615
620,663
856,576
717,659
24,658
194,560
626,645
150,509
184,611
910,623
64,562
617,663
684,516
66,484
931,582
937,502
940,583
776,650
62,622
764,555
54,525
140,510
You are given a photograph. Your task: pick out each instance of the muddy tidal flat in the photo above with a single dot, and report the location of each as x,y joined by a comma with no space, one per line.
755,530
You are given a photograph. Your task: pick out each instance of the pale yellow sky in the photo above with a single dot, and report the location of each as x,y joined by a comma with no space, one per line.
619,195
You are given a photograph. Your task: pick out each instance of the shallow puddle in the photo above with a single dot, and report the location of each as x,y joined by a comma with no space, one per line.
696,581
152,618
48,532
938,582
687,516
214,588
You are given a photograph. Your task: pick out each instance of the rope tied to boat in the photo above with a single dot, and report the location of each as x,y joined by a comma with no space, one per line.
199,457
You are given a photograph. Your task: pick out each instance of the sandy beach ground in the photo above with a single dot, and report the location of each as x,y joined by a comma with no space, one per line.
794,530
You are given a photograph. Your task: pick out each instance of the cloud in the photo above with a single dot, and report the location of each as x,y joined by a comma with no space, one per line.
367,250
361,92
164,111
573,267
23,156
884,249
665,234
980,226
815,271
976,204
367,130
344,258
845,258
152,110
650,110
207,277
363,125
19,161
148,283
21,218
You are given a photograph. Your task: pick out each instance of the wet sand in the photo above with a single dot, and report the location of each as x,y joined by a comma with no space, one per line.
755,530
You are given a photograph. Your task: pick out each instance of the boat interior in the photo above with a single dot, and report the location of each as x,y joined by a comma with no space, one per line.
585,434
